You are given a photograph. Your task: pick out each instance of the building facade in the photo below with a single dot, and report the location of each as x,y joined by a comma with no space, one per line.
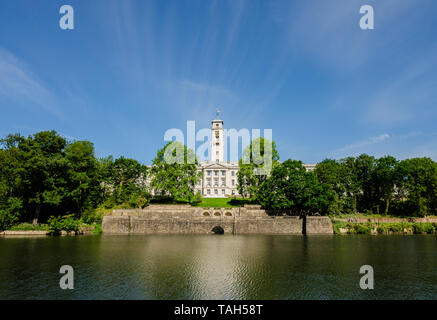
220,176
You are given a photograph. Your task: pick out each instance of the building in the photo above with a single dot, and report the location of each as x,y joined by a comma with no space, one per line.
220,176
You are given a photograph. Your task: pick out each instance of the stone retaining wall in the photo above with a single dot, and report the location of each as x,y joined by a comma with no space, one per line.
162,219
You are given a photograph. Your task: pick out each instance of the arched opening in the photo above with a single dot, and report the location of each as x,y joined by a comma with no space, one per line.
218,230
228,214
206,214
217,214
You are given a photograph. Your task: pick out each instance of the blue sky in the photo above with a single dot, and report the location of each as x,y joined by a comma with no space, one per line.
130,70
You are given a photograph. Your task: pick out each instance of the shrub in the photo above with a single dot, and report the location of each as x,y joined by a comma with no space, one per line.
92,216
361,228
10,215
66,223
97,229
423,227
337,224
29,227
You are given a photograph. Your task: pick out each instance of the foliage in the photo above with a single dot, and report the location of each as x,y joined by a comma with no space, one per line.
385,228
255,165
29,227
418,181
291,187
45,175
175,172
66,223
10,213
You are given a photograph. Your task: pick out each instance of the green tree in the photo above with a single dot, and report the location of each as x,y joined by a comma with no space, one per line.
418,177
124,182
384,179
174,172
364,166
82,176
291,187
256,163
44,171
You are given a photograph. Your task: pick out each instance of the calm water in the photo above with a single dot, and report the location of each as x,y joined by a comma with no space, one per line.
219,267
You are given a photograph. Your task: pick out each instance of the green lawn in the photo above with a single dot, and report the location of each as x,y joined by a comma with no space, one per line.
219,203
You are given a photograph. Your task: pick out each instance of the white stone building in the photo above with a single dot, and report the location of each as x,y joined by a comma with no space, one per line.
219,176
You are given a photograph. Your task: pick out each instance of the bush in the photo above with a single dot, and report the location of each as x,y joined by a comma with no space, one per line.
92,216
337,224
66,223
360,228
10,215
424,227
29,227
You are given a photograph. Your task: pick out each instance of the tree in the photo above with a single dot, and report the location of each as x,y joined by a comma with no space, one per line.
44,175
363,168
44,168
82,176
174,172
256,163
123,182
384,179
291,187
331,172
418,177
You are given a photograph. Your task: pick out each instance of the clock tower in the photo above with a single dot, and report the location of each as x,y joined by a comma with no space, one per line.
217,140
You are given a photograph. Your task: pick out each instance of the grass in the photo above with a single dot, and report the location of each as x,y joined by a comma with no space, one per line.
222,202
29,227
385,228
367,216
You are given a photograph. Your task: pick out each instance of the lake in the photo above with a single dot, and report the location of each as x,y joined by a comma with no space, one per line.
219,267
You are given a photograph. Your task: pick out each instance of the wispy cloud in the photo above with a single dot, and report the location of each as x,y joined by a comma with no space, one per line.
366,142
328,31
410,95
18,83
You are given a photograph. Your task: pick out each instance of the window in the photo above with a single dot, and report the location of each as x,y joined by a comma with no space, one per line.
223,173
233,173
209,191
216,173
216,124
209,172
233,182
215,191
223,191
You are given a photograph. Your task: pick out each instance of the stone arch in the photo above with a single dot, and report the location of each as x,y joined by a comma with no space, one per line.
206,214
217,214
228,214
218,230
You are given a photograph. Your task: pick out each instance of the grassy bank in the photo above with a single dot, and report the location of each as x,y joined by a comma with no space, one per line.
341,227
222,202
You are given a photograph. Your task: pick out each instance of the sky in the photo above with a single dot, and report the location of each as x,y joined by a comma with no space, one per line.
131,70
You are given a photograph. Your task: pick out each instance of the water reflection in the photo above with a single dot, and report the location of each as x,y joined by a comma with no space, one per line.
219,267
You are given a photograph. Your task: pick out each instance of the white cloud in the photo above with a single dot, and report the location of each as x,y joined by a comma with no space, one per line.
18,83
364,143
